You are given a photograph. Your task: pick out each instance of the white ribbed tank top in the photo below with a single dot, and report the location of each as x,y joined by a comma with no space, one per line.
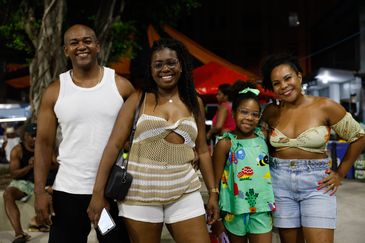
86,117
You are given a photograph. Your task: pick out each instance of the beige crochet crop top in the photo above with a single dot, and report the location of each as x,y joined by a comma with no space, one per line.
162,171
315,139
312,140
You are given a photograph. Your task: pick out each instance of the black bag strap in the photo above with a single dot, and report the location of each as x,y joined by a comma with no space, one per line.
122,160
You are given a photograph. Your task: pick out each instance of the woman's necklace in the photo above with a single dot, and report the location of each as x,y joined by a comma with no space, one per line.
169,98
79,82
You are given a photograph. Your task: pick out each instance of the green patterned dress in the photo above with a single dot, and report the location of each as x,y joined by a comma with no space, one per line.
246,182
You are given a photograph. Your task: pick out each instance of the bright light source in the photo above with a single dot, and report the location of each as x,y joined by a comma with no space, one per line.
324,77
293,19
330,75
13,119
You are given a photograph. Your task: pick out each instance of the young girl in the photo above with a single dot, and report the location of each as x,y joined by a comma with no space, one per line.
240,161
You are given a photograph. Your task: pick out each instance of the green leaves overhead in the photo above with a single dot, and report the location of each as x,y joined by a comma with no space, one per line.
17,15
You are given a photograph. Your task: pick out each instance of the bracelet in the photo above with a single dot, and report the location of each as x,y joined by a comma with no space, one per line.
214,190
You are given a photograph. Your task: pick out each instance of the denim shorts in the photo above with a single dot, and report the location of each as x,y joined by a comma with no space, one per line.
298,202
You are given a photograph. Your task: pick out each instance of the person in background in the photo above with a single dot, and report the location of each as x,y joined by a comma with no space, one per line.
304,185
165,187
84,102
21,187
240,160
34,226
223,119
3,159
11,139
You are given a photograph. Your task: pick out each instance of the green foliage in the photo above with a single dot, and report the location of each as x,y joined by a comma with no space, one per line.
12,25
124,39
14,38
160,11
125,34
191,4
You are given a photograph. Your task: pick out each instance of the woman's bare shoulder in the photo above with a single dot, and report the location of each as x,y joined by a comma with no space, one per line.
270,113
332,110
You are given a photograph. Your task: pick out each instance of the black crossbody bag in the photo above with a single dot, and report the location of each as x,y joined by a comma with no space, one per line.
120,180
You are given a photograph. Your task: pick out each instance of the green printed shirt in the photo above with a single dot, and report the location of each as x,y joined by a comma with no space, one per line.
246,182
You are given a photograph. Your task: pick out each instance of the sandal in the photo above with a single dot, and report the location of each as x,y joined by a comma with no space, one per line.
24,237
38,228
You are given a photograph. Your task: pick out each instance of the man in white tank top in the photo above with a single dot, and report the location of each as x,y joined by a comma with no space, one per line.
84,102
11,139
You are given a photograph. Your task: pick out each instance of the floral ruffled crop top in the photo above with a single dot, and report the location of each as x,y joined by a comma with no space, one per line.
315,139
312,140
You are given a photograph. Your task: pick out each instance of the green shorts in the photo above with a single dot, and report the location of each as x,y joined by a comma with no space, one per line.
248,223
25,186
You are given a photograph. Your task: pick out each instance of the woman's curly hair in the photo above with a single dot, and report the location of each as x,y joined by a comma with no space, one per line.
275,60
185,84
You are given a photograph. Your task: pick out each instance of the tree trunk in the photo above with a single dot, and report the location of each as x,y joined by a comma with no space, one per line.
49,60
108,13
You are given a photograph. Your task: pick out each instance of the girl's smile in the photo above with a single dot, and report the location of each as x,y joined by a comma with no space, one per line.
247,116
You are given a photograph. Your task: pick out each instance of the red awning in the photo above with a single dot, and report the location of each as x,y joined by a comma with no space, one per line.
208,77
17,75
204,55
19,83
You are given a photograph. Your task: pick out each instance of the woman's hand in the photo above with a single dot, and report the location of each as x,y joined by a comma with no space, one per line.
213,212
331,182
96,205
218,228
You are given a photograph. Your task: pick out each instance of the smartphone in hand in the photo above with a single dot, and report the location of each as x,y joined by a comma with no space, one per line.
106,222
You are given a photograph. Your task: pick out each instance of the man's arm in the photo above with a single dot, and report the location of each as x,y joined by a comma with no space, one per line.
14,166
46,134
44,149
125,87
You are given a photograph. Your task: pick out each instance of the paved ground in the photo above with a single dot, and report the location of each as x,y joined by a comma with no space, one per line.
350,223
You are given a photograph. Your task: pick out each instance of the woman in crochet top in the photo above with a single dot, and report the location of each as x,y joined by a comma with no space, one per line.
170,134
